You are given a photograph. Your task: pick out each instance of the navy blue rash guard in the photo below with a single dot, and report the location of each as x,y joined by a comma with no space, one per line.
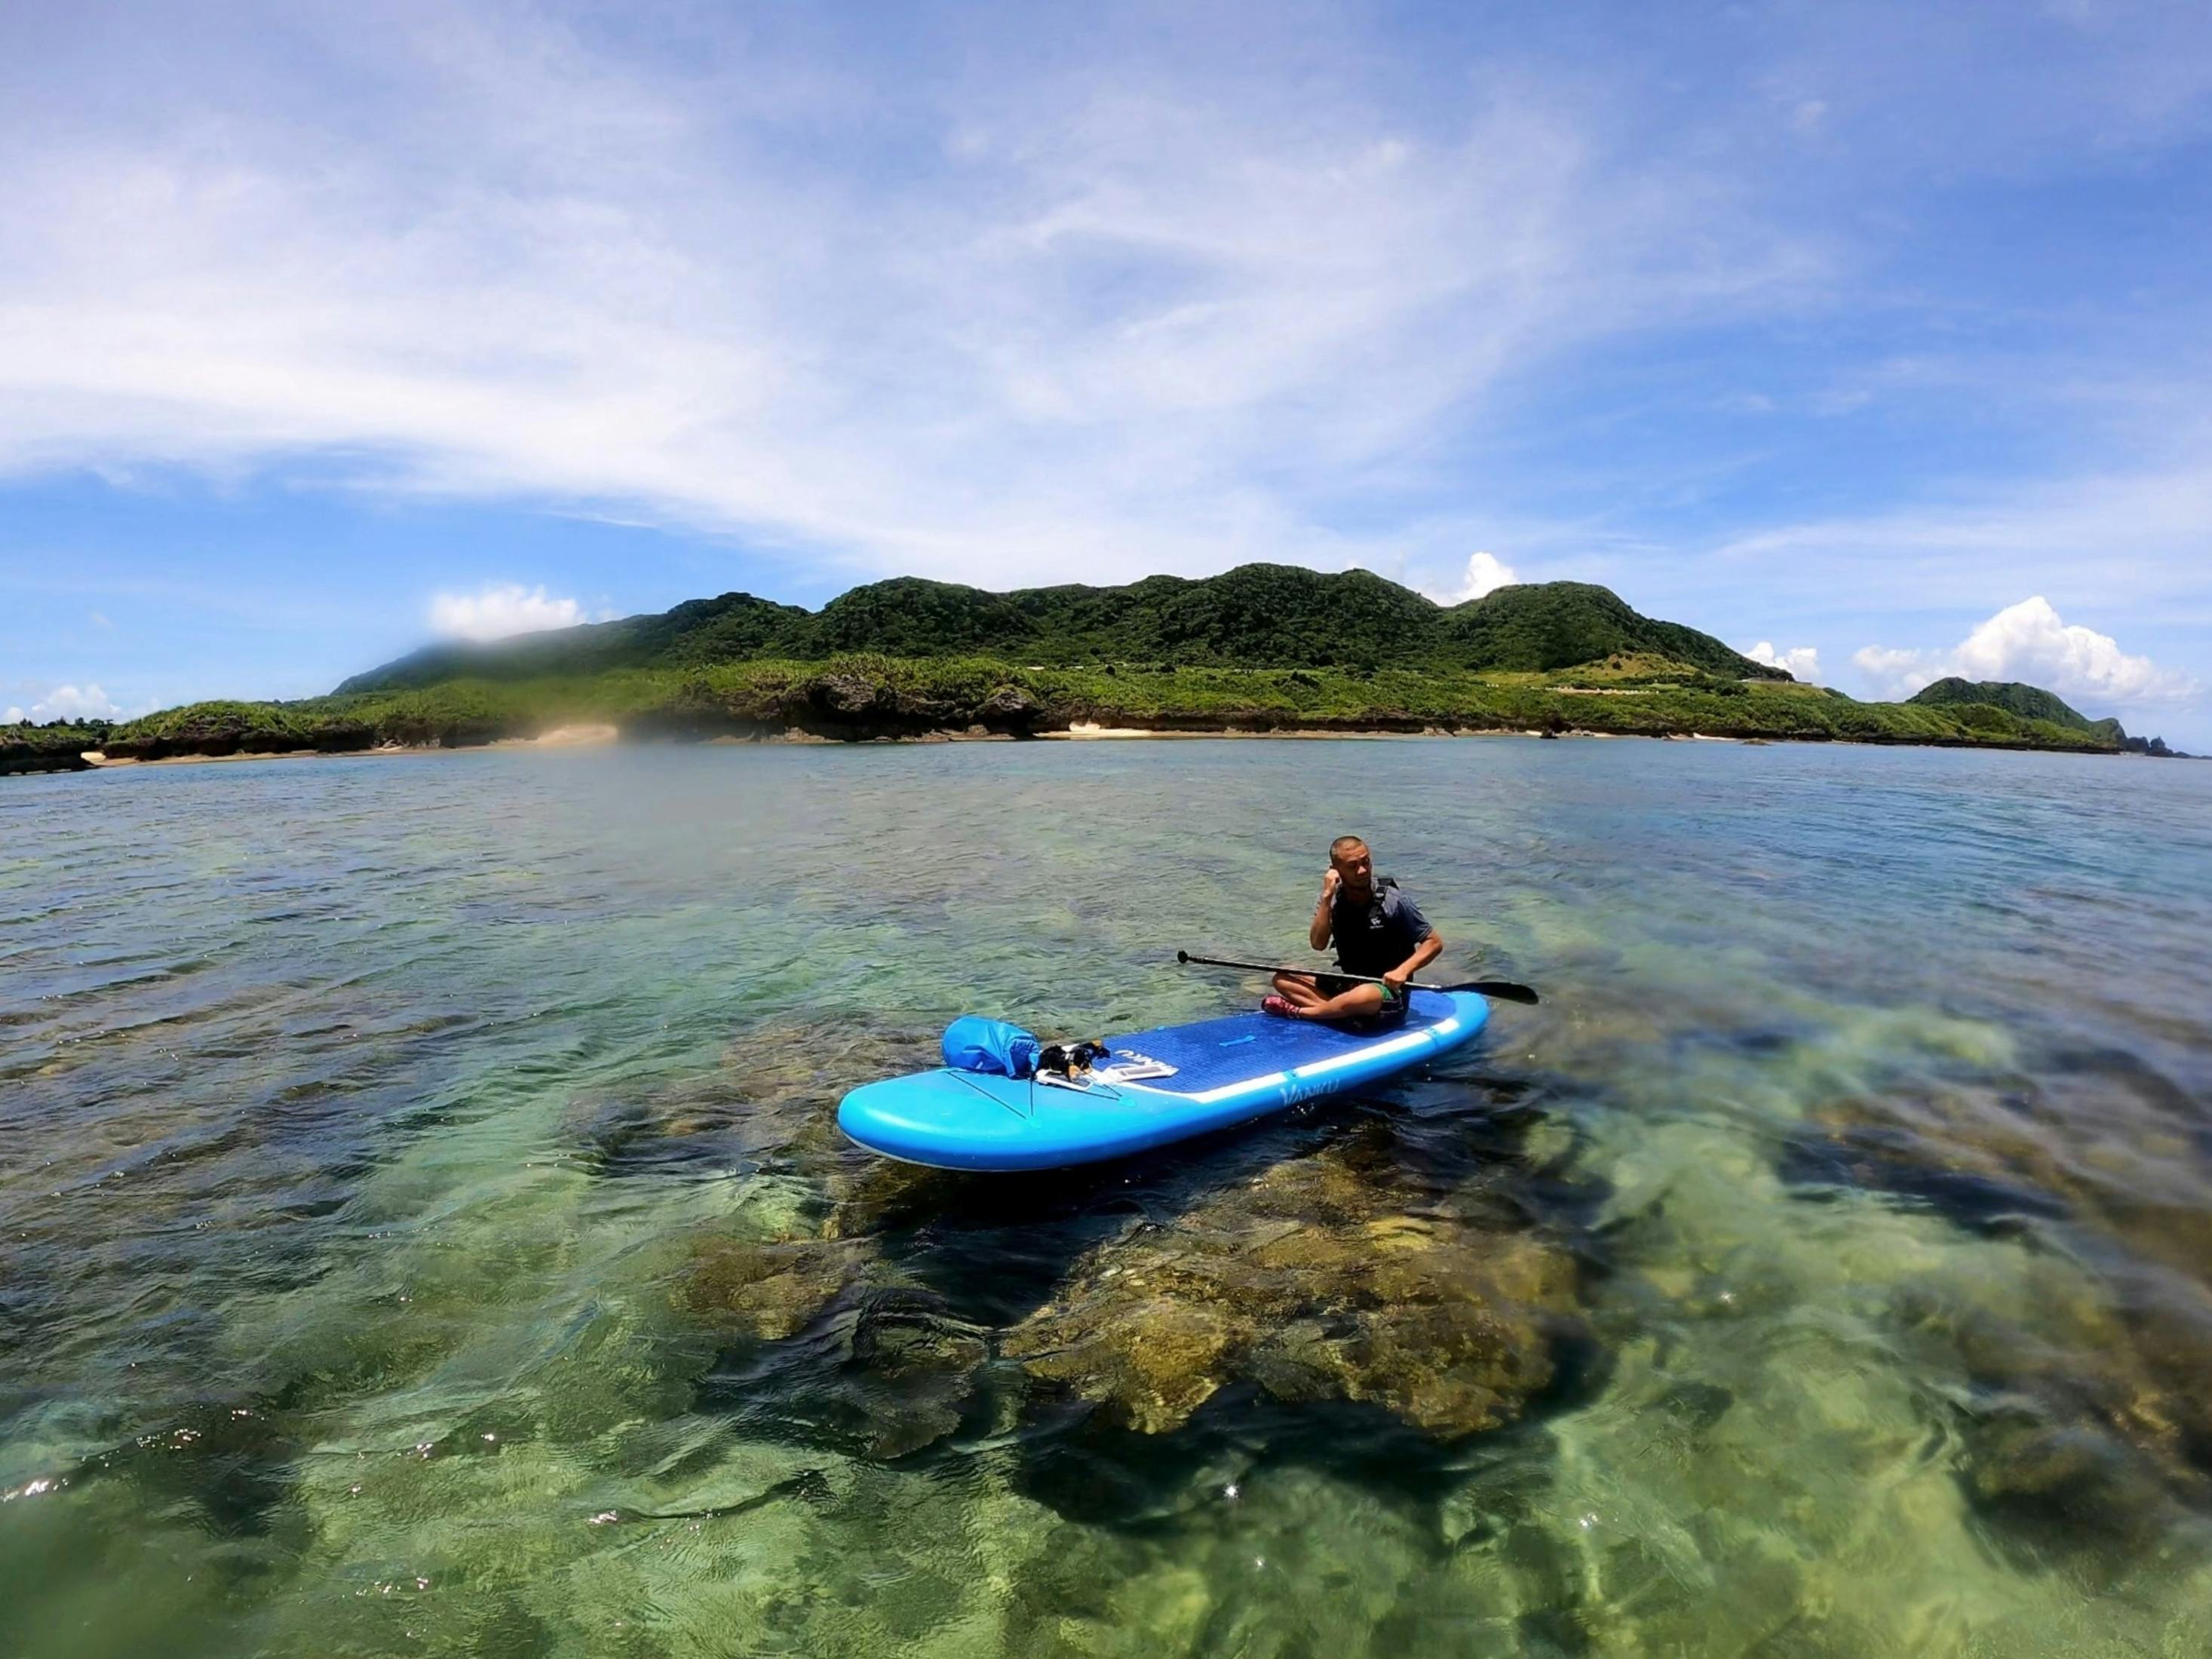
1374,938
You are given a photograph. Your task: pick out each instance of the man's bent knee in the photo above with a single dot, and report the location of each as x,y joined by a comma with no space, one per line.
1361,1000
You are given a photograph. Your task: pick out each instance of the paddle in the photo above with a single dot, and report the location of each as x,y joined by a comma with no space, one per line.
1503,990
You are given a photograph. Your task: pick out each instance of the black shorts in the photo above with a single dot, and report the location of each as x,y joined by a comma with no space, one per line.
1392,1012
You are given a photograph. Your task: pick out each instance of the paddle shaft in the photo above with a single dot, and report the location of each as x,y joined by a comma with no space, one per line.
1503,990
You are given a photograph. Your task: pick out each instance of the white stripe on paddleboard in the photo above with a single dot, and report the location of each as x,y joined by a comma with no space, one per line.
1396,1046
1213,1095
1412,1040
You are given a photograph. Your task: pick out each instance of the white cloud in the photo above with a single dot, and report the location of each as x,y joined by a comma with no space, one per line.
13,716
68,702
2030,642
499,611
1131,314
974,306
1893,673
1484,574
1801,661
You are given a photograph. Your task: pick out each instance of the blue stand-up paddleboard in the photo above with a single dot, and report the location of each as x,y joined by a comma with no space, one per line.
1154,1087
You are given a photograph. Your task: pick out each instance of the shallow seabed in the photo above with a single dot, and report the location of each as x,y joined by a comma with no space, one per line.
422,1229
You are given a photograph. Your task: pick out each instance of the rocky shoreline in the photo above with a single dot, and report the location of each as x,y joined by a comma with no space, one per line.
897,701
25,760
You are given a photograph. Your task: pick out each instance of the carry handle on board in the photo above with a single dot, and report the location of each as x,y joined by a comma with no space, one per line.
1502,990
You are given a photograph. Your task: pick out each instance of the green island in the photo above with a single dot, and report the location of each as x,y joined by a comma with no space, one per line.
1263,648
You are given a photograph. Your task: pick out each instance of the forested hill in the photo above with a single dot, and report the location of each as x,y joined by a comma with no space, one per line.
1260,649
1258,615
2014,697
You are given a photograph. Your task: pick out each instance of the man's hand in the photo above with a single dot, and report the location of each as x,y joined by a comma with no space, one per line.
1330,881
1396,978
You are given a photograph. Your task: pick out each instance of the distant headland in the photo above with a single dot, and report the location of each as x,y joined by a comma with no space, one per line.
1259,649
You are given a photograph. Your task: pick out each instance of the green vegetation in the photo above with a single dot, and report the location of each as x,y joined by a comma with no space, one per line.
1544,626
2032,703
1258,615
51,748
866,695
1261,648
2028,701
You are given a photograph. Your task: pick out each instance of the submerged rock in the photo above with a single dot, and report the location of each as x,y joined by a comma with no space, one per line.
231,1463
769,1291
910,1372
885,1369
2088,1404
1153,1362
1345,1276
771,1106
1313,1284
2079,1412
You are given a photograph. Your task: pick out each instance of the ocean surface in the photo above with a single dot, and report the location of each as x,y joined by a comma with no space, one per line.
423,1228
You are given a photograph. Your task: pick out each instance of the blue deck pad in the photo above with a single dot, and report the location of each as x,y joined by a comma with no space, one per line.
1240,1047
1227,1072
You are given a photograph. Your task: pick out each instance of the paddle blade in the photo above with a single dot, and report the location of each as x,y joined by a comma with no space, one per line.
1499,990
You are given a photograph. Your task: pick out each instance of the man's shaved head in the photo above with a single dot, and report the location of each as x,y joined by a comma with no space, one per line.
1344,846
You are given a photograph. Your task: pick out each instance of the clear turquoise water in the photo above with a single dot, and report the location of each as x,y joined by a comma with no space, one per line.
421,1229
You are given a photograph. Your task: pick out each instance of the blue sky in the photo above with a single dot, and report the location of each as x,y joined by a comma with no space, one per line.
1878,332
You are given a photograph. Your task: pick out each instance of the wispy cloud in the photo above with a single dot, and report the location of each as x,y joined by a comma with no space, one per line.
972,293
2116,537
1027,320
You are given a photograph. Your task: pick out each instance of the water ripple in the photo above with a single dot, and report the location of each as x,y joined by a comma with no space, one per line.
423,1228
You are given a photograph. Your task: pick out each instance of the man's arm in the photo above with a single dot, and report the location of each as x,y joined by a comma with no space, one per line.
1318,934
1423,953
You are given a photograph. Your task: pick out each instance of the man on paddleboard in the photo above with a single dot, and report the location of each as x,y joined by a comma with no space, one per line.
1378,932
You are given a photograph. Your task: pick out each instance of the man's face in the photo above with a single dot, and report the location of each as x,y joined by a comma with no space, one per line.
1356,867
